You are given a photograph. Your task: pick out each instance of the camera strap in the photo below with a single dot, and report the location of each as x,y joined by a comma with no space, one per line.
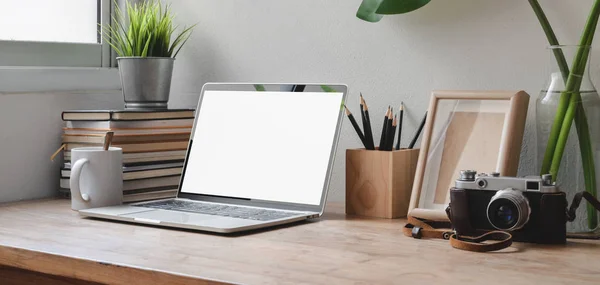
488,241
577,200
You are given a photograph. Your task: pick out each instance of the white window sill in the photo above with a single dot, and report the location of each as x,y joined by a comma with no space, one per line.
49,79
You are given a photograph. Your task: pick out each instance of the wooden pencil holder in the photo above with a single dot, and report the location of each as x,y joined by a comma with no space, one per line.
379,183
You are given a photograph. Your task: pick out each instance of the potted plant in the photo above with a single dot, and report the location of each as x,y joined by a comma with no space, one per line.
145,41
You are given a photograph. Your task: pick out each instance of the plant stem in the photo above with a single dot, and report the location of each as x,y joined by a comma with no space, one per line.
564,98
552,40
573,85
580,119
574,107
585,145
587,160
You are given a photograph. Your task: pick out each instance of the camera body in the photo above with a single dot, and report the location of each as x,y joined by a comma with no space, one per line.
531,208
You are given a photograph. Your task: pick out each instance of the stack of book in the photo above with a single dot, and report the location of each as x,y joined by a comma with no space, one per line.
154,146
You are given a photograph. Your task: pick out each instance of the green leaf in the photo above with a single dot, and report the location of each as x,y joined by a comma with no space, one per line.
149,30
327,88
373,10
145,51
392,7
367,10
259,87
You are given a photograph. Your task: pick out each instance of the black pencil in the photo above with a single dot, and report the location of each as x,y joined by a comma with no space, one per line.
414,140
355,125
362,118
392,133
389,133
388,130
383,129
367,123
298,88
400,116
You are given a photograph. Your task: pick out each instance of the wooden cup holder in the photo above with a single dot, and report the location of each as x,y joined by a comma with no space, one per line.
379,183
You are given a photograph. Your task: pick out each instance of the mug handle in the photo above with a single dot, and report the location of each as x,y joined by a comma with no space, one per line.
75,178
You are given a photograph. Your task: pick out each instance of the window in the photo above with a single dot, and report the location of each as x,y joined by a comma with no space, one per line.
59,33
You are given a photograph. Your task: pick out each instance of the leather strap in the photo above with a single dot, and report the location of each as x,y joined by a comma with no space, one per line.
420,228
501,240
577,200
571,215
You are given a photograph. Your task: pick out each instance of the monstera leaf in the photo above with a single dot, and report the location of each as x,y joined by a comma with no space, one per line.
373,10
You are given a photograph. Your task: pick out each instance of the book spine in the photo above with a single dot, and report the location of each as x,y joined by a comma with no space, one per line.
136,120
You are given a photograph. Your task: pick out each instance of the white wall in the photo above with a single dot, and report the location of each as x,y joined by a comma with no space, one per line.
458,44
30,126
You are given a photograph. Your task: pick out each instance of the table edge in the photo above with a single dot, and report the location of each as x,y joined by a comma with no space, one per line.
92,270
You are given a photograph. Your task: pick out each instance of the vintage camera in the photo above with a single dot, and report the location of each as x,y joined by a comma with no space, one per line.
531,208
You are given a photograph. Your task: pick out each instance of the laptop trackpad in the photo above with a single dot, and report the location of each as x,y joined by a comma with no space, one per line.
158,216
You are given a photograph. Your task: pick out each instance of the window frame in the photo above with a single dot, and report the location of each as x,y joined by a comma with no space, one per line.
57,54
52,74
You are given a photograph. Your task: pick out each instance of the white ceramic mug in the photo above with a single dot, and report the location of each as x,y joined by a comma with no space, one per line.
96,177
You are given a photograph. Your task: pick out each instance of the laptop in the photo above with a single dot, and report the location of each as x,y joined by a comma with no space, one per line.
259,155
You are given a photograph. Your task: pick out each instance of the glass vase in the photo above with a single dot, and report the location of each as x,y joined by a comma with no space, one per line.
570,178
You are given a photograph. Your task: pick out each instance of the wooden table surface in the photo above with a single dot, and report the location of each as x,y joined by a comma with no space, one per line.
46,236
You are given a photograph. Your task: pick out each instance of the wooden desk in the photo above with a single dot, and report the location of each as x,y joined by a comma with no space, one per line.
47,237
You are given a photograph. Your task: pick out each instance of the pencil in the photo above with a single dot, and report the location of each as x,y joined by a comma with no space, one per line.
392,134
362,118
388,130
366,119
385,119
400,116
418,133
298,88
355,125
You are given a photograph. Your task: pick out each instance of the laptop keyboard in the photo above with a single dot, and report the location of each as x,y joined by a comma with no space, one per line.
219,210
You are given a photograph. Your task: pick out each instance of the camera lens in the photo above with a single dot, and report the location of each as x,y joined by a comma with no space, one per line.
508,210
505,215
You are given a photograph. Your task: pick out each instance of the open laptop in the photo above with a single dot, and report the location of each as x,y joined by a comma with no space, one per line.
259,155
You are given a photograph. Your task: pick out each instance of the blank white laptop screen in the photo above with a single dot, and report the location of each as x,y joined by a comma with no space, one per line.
272,146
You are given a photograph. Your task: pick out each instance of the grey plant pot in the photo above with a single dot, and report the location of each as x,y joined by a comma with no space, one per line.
146,81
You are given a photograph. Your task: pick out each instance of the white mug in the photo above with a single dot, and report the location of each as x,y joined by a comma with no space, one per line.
96,177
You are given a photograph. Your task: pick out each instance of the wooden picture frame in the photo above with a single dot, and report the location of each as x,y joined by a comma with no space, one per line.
466,130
